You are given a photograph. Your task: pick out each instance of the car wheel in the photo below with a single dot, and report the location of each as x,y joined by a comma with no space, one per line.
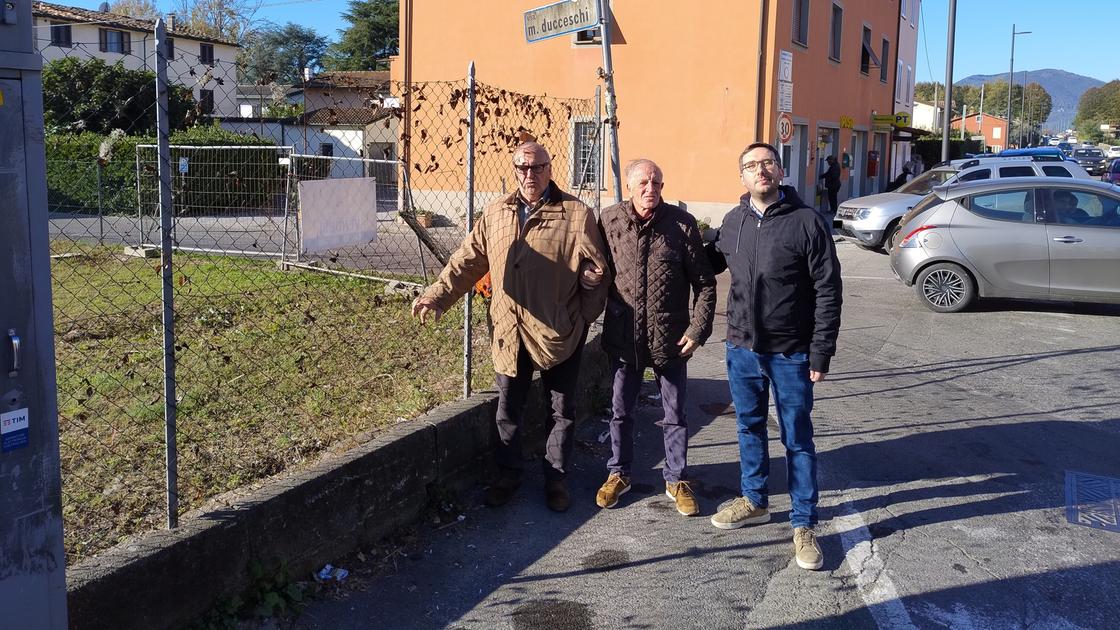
891,239
945,288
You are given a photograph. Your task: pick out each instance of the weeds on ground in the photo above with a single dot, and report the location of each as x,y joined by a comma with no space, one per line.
273,368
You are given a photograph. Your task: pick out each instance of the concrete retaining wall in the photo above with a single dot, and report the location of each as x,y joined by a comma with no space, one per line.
166,579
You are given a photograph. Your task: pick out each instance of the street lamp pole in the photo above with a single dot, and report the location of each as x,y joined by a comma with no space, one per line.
948,80
1011,78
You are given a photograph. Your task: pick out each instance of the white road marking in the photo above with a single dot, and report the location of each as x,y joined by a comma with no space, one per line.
867,278
875,585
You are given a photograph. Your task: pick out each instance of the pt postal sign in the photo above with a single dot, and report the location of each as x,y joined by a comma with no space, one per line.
561,18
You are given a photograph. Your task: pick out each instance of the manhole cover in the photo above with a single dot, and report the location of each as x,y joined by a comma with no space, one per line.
1093,501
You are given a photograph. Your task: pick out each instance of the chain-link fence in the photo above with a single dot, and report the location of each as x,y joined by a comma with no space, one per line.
296,247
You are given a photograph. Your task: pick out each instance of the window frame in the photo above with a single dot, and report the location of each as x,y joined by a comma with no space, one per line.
326,149
836,33
866,55
1048,210
106,46
206,53
1023,171
587,37
800,26
884,72
971,205
206,101
898,82
597,183
169,51
57,28
1047,168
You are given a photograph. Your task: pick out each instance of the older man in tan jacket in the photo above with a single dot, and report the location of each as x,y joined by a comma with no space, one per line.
547,264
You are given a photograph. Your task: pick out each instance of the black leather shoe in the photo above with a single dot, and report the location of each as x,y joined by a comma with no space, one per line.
556,495
501,491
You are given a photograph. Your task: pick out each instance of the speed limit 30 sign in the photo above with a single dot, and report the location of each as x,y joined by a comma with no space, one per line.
785,127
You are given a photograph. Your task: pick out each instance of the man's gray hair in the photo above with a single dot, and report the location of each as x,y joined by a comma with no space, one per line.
633,165
531,146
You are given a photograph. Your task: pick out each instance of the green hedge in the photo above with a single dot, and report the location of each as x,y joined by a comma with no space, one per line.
930,149
217,180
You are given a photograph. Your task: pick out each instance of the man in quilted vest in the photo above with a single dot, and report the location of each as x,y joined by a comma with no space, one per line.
658,262
537,245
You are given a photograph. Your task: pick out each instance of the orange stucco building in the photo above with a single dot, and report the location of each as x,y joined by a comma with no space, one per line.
993,128
697,82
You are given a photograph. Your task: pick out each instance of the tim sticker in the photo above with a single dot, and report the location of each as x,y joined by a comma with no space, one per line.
13,430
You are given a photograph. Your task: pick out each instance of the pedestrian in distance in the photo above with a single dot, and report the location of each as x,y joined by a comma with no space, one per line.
902,178
547,265
831,178
783,317
657,259
916,165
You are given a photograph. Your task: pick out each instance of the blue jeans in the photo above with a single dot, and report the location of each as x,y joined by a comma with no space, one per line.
750,375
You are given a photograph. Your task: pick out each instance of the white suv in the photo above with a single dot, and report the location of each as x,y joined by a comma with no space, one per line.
872,222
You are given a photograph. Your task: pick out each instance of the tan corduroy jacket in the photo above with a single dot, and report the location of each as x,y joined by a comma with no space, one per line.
534,270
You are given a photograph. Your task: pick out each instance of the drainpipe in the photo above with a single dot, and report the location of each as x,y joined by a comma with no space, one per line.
763,76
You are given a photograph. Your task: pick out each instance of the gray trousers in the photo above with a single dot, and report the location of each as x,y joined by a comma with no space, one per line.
674,428
558,385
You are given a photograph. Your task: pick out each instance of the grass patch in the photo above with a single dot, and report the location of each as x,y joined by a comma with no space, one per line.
272,369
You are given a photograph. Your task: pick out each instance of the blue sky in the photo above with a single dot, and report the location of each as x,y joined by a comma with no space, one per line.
1072,35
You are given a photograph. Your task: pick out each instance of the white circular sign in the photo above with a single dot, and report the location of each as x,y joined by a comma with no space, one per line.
785,127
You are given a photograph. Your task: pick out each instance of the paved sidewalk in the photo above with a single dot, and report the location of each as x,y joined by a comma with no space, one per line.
941,505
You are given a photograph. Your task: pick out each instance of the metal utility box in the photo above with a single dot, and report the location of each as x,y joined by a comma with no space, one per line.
32,561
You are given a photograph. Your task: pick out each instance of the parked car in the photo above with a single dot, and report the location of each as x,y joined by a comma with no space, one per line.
1042,238
1112,152
873,222
1092,160
1112,172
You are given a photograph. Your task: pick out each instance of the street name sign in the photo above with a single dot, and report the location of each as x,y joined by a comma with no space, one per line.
882,122
560,18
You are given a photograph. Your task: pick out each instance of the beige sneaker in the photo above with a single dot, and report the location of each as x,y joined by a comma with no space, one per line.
615,486
806,550
739,512
681,493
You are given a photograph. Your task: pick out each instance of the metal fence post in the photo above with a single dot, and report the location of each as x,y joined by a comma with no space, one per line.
100,208
165,225
468,328
599,149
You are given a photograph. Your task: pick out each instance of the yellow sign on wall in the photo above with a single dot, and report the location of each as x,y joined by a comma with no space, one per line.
847,122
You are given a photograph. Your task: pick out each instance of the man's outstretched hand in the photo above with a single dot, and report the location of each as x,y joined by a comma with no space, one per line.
424,309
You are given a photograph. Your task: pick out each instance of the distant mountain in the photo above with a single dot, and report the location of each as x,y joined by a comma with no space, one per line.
1065,90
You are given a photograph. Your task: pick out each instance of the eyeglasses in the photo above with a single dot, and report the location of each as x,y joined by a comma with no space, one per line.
536,168
767,164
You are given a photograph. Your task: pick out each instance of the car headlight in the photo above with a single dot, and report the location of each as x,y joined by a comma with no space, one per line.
861,213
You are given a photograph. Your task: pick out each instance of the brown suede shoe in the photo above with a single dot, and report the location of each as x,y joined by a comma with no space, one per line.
681,493
556,495
615,486
501,491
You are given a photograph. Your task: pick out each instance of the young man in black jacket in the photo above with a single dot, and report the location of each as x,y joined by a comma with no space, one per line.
783,316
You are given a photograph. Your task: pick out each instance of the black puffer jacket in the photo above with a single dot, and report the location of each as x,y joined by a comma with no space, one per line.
785,291
656,265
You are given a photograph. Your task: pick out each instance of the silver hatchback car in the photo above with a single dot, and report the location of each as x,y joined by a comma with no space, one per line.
1040,238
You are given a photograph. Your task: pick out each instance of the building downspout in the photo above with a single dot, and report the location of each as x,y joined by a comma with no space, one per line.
888,160
763,85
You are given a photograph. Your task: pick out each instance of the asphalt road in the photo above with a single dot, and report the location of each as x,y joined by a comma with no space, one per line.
944,442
